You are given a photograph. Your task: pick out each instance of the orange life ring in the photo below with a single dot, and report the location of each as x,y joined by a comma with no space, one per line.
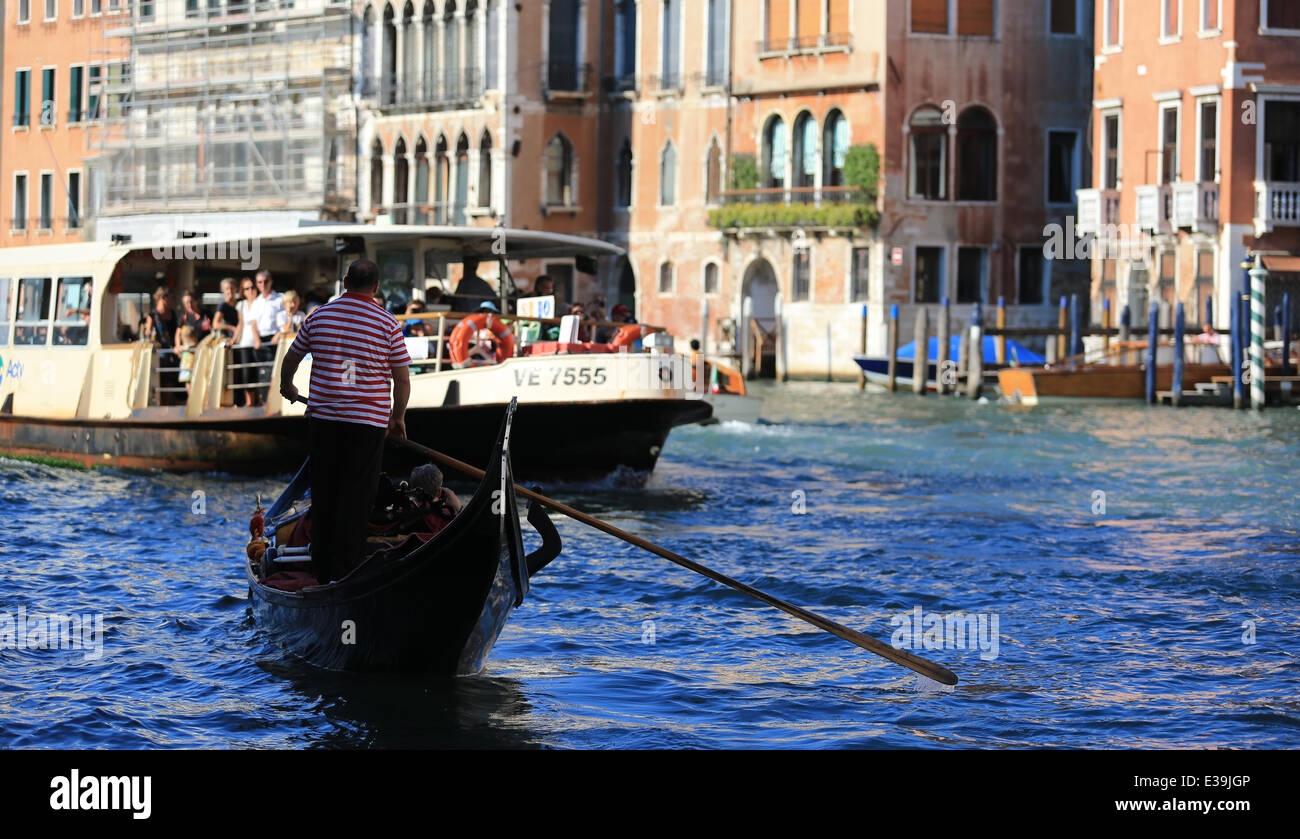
468,329
628,335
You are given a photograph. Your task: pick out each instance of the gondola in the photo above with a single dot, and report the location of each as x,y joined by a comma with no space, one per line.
429,607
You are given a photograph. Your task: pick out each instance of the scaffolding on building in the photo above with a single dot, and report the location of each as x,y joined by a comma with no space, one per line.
222,106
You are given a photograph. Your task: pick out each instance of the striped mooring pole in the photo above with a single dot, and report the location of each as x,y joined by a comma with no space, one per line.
1258,325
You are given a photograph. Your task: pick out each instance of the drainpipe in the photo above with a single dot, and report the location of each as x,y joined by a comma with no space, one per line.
744,325
602,115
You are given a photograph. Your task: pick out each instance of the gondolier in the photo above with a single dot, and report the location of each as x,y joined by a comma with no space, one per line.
357,348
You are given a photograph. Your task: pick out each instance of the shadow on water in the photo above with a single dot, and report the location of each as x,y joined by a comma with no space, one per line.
383,711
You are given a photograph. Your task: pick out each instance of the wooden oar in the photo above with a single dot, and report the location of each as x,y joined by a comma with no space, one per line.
925,667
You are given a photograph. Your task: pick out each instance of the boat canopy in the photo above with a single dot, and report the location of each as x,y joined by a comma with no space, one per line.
456,243
1017,353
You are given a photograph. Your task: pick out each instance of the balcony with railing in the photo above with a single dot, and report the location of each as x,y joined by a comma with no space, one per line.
666,83
561,80
804,44
815,195
1277,204
785,208
1155,208
425,90
712,77
1098,209
1196,206
621,84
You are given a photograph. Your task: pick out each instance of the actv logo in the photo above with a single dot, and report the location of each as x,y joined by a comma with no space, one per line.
123,792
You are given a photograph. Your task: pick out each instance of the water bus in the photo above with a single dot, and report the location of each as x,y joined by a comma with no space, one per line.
78,381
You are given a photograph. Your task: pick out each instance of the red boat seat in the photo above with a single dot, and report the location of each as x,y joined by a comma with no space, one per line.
558,348
290,580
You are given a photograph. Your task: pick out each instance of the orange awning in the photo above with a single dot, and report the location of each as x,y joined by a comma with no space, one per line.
1282,264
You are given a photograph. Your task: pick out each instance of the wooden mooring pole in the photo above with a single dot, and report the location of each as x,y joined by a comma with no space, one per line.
921,358
862,349
941,357
1153,342
1000,342
1176,384
893,348
975,376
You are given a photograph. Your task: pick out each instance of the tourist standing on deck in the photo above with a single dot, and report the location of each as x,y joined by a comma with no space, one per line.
246,341
272,303
356,349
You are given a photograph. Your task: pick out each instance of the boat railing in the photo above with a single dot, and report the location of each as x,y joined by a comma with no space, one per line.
440,336
167,389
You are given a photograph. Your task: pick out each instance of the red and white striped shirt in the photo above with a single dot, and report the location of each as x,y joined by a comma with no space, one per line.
354,345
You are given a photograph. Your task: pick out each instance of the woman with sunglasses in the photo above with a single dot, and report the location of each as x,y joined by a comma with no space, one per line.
246,342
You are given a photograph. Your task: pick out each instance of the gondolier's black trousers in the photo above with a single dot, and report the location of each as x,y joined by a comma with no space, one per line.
345,463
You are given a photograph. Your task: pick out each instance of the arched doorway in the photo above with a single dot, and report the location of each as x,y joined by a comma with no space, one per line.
760,323
627,285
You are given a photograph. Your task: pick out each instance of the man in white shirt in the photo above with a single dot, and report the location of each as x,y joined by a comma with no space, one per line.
267,311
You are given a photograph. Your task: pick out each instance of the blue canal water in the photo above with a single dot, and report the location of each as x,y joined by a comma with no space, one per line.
1140,563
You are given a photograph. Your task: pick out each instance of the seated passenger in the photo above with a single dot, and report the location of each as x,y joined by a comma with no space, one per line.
419,505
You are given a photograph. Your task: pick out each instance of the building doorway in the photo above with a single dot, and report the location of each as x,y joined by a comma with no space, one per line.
760,322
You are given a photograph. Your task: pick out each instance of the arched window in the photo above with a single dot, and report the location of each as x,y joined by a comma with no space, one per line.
559,172
473,60
668,175
450,52
428,72
977,155
368,52
774,153
666,278
388,63
421,181
462,178
401,172
441,175
713,173
376,176
624,197
409,74
929,159
835,147
485,170
490,45
711,278
805,151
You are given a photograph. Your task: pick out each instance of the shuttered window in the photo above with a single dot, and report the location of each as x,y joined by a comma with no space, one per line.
930,16
975,17
837,20
778,23
808,19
